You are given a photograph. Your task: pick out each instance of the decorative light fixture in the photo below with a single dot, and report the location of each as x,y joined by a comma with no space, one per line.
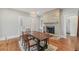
33,14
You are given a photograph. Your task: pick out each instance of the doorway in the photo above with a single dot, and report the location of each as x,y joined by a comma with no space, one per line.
78,27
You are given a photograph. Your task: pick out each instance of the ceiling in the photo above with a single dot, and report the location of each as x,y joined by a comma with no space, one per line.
39,11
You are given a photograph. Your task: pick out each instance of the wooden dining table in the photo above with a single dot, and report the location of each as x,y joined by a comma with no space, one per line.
40,36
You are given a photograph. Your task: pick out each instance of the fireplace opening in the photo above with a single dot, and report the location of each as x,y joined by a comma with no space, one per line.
50,29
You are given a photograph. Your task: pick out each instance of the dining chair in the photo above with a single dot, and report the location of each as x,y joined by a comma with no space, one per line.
30,42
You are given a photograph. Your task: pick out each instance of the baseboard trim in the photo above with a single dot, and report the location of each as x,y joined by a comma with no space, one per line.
9,37
2,38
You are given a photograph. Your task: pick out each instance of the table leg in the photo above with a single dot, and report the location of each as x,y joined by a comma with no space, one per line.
45,47
46,44
38,45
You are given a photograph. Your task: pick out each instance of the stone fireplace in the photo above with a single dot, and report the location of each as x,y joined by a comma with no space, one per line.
50,27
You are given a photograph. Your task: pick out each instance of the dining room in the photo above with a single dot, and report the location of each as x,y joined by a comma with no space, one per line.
38,29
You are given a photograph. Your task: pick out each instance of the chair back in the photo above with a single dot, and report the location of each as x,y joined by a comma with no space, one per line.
28,30
25,38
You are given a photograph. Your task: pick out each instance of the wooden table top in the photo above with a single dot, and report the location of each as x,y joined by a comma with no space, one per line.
40,35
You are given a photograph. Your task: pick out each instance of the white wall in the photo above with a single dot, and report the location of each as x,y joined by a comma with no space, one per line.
9,22
69,15
0,25
73,25
10,25
63,25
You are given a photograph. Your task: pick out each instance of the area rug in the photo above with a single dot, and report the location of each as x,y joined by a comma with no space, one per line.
51,48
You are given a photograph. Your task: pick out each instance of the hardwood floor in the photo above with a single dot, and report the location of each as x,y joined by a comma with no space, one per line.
69,44
9,45
77,45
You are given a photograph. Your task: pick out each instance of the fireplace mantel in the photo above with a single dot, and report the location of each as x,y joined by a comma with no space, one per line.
51,23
